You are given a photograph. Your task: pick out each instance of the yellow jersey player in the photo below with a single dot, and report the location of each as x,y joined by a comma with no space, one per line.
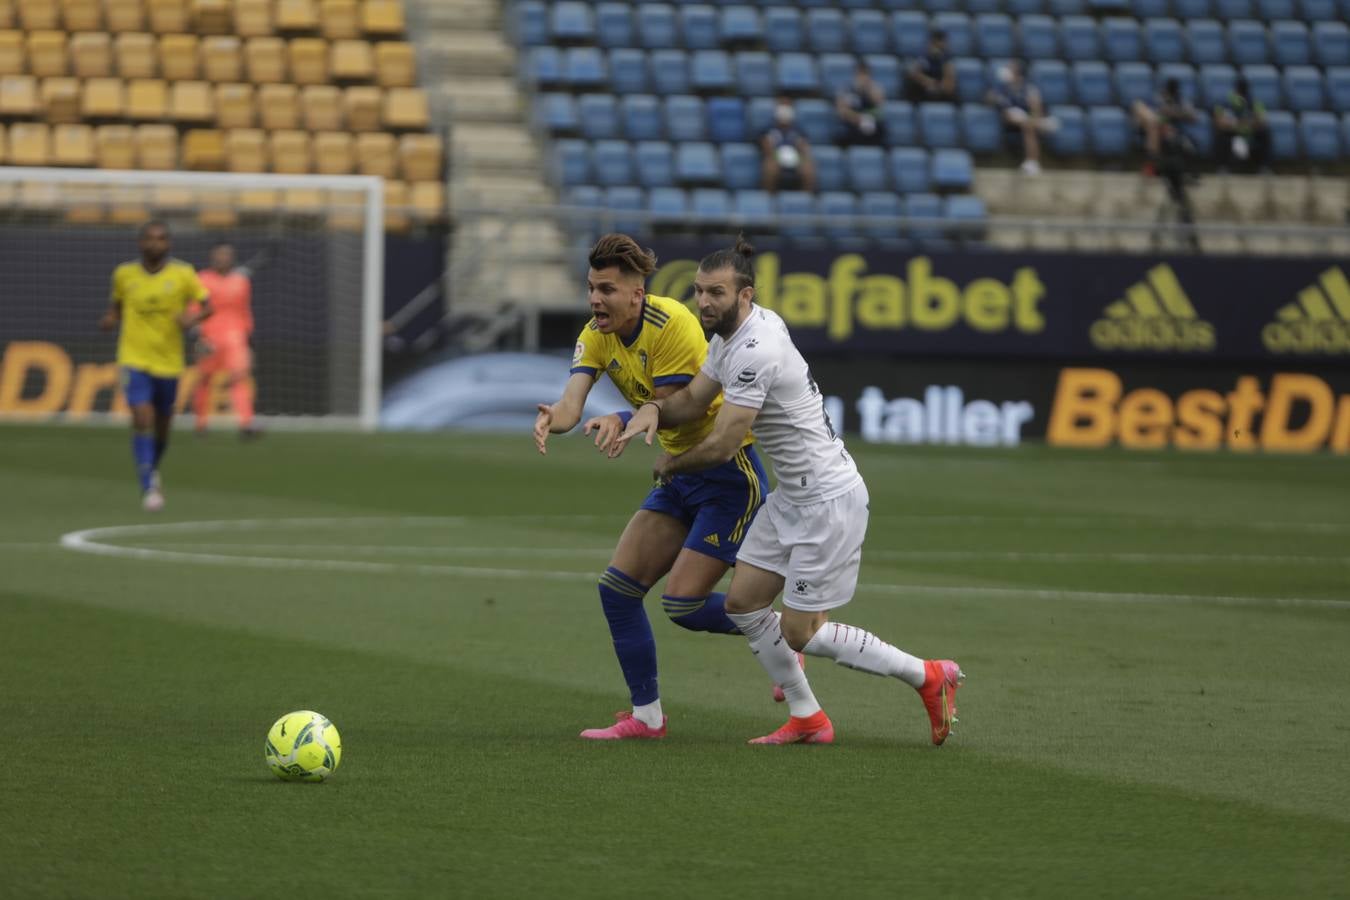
151,297
689,526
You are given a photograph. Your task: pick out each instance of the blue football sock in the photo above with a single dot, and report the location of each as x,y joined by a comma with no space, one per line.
143,451
621,599
705,614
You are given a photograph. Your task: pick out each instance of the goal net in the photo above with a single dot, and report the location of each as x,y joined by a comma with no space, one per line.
314,246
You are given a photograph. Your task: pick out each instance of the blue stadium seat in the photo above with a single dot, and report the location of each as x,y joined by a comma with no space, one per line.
1163,41
928,209
612,163
571,22
1039,36
1338,89
1092,84
1063,8
868,33
909,169
710,203
628,71
783,29
979,7
1024,8
583,68
836,72
1149,9
740,166
967,216
656,27
795,73
544,66
937,125
655,163
710,72
754,73
1233,9
698,26
798,206
994,35
614,25
1264,82
825,32
625,199
599,116
953,170
885,70
759,116
1289,40
830,175
1275,10
1320,11
740,25
587,195
1134,81
1079,38
881,206
697,162
1205,40
685,118
817,120
960,34
642,119
669,71
1109,130
909,33
1121,37
1283,135
668,206
1216,83
1201,133
898,117
531,23
972,79
1183,73
1247,44
1345,131
556,113
754,209
1303,88
1051,77
839,206
1320,134
726,119
1192,9
1070,139
1331,43
935,6
866,168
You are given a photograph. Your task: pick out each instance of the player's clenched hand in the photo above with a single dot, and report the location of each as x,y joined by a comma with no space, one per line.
108,322
645,420
606,429
541,426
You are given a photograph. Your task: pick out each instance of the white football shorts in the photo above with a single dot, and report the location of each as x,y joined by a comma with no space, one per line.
816,547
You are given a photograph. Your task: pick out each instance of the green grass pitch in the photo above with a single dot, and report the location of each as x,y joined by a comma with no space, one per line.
1157,704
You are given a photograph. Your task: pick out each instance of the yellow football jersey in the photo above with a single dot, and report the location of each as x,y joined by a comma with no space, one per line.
152,338
667,349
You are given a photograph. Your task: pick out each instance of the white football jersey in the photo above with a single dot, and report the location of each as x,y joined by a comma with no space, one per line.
759,367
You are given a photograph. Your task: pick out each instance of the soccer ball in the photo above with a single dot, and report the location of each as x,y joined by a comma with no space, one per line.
303,746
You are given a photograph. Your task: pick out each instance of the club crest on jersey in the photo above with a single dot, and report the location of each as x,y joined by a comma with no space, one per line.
751,344
614,366
578,353
641,390
800,587
747,376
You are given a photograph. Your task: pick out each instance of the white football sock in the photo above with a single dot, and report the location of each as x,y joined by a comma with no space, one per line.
858,649
649,714
761,628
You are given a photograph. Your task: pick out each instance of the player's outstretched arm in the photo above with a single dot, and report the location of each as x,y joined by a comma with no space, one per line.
563,416
112,318
685,405
728,435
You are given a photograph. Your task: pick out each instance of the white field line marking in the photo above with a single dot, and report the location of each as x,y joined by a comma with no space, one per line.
91,541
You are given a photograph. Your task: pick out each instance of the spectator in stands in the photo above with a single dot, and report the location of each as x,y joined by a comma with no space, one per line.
1240,131
786,156
859,109
933,75
1161,120
1022,112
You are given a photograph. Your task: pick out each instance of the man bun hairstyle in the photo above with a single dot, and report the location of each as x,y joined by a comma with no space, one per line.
738,257
622,251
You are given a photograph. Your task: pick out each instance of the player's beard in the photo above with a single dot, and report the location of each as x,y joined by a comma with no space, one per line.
725,324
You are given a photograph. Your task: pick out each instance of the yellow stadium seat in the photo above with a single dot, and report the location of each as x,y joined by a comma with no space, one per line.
246,150
253,18
127,205
308,58
82,15
7,17
339,19
420,157
178,59
258,200
29,144
321,106
2,147
406,109
73,145
212,17
296,17
427,199
156,147
279,106
351,61
115,147
47,53
382,18
375,154
191,102
18,96
125,15
362,105
91,54
136,54
265,58
395,64
38,15
290,152
204,150
215,208
147,99
234,106
13,59
221,59
396,206
306,201
61,99
103,98
333,153
168,16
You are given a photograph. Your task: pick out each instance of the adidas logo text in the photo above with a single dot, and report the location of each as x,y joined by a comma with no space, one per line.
1317,322
1154,314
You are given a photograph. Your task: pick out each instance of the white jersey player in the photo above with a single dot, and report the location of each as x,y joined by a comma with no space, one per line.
808,536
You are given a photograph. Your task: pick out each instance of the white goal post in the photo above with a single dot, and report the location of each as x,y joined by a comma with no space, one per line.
314,245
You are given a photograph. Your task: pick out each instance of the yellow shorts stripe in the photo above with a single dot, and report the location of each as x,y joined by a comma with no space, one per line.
743,463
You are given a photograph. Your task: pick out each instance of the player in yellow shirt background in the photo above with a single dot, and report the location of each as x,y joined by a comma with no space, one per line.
150,301
690,526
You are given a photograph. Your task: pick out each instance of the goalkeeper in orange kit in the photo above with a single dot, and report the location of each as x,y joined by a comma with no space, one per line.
223,340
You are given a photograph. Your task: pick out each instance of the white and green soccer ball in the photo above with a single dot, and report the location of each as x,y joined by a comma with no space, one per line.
303,746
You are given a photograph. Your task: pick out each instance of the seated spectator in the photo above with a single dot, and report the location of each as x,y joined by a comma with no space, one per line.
786,163
859,109
1240,131
1022,112
932,76
1161,121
